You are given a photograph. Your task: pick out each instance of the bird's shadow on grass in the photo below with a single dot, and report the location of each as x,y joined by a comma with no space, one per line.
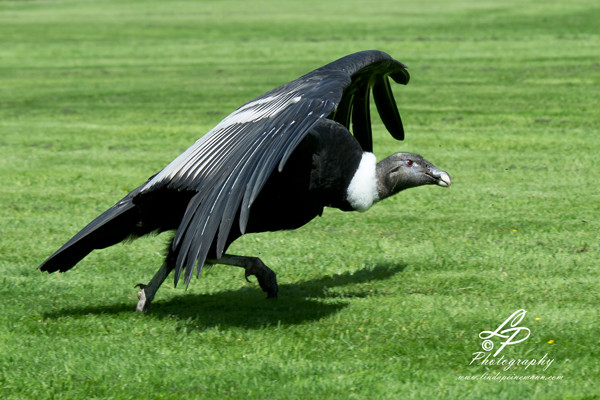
247,307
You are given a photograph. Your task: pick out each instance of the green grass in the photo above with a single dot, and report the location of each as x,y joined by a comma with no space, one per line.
96,96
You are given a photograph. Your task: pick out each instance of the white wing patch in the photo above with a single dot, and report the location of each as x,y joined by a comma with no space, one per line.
185,164
257,110
362,191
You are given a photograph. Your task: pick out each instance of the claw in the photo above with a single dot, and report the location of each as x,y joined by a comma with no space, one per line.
266,281
253,266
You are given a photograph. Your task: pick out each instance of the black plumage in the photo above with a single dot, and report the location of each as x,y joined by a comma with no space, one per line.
272,164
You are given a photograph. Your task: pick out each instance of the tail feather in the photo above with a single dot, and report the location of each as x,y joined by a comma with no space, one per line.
110,227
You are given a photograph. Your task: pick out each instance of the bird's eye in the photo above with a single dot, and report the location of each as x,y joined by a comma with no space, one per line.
409,163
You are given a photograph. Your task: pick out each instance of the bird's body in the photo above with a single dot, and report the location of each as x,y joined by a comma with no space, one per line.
273,164
311,180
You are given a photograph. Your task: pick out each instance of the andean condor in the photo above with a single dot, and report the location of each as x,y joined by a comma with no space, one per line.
272,164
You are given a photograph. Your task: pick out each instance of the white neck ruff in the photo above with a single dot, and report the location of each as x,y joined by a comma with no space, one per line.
362,191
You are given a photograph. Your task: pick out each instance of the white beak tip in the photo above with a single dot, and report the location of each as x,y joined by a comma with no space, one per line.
444,180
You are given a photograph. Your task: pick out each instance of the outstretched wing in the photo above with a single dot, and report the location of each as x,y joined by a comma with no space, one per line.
229,165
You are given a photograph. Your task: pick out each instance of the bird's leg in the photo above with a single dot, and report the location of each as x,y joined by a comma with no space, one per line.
147,292
253,266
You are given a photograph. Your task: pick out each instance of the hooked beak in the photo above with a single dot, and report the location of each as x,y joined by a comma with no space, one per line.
440,177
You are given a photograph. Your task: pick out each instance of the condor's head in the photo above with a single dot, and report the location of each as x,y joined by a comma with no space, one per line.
406,170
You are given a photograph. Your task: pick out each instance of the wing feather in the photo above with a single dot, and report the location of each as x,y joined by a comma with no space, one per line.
386,106
343,112
229,166
361,118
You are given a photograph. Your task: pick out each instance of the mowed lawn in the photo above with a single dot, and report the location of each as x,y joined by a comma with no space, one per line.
96,96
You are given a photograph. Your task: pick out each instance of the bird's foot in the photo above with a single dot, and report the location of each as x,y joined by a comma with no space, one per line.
265,276
142,305
147,292
253,266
